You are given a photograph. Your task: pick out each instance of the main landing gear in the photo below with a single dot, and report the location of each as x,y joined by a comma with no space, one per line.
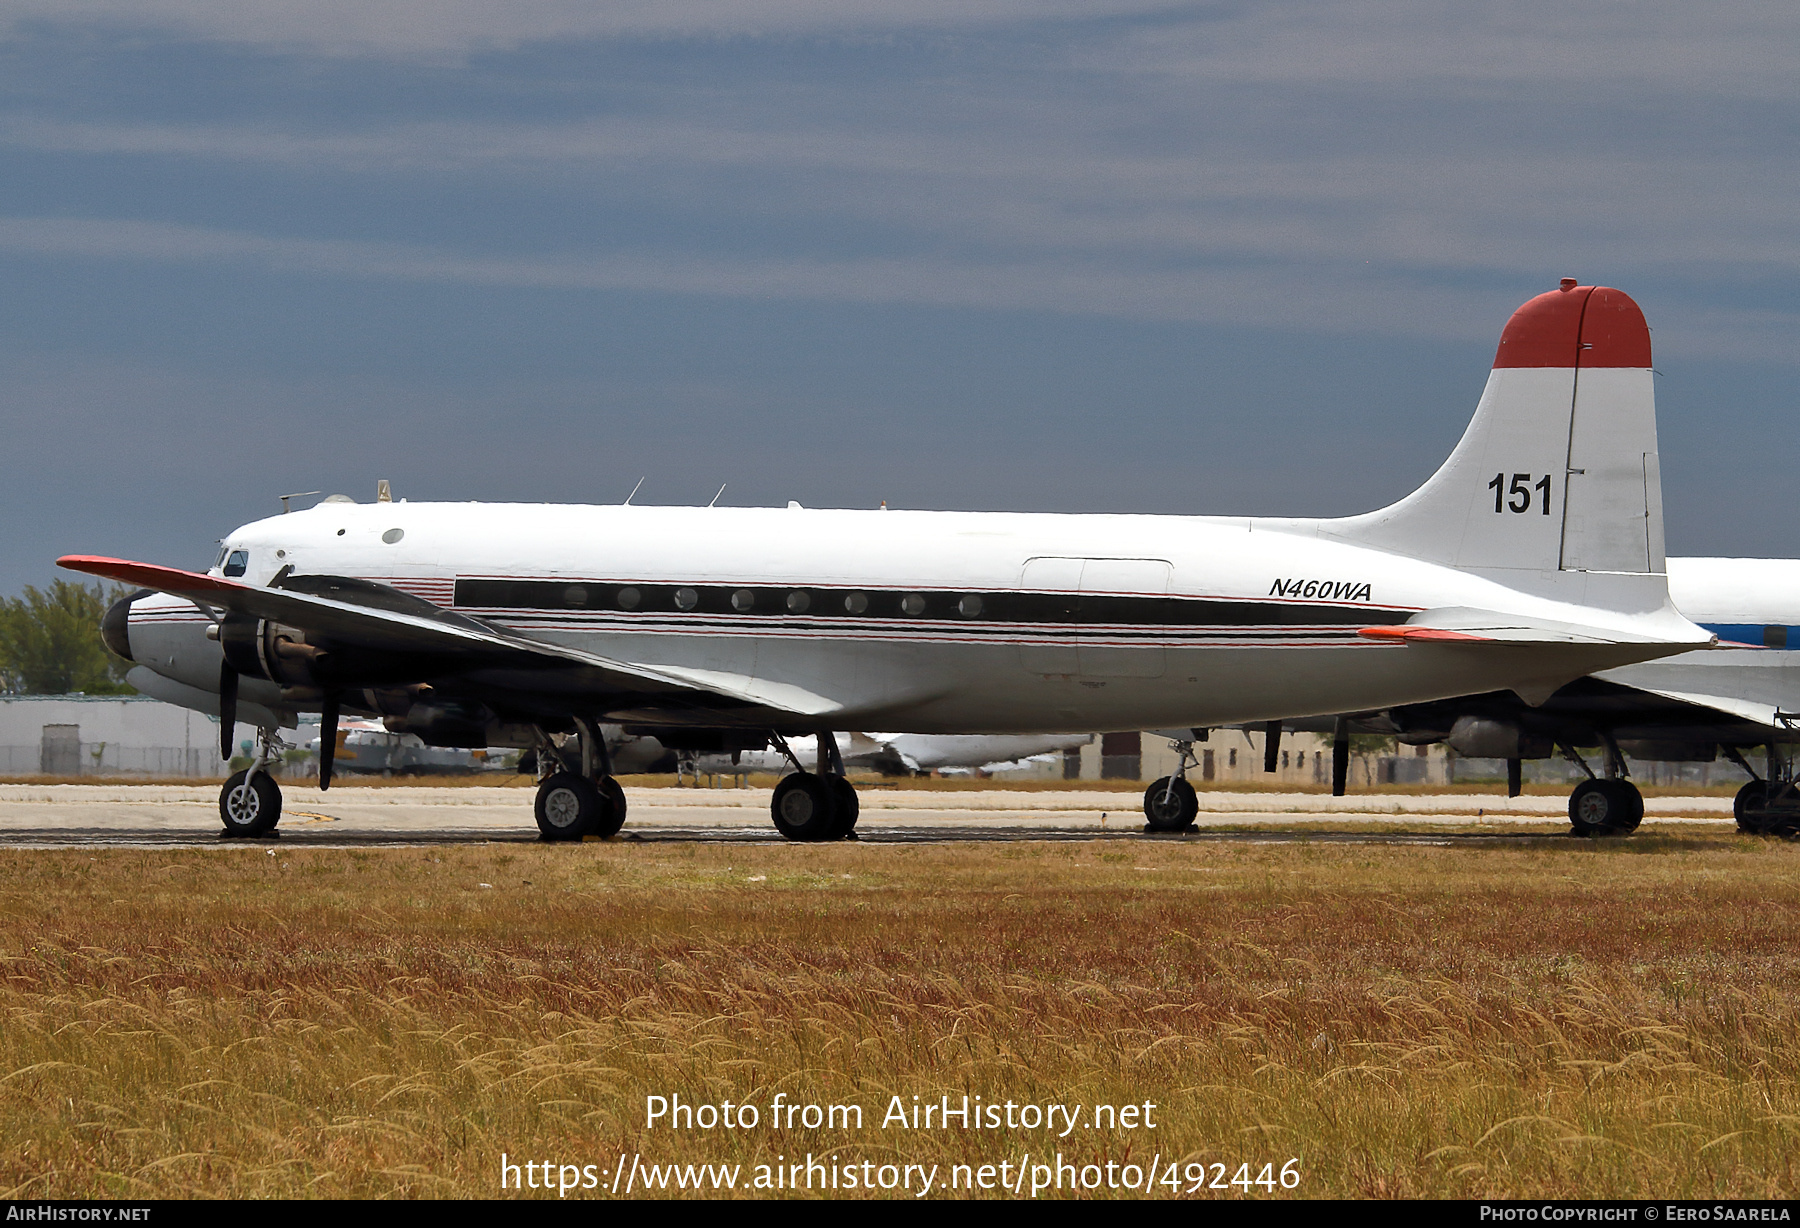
1170,804
250,802
1604,806
813,806
575,805
1771,806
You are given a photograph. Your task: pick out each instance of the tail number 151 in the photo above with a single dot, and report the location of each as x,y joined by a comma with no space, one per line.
1517,496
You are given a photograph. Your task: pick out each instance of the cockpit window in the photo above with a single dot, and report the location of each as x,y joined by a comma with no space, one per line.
237,563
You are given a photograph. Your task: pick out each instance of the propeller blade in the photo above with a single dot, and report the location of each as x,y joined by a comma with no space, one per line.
328,732
228,688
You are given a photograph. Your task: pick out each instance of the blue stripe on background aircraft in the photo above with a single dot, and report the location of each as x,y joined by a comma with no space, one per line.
1533,557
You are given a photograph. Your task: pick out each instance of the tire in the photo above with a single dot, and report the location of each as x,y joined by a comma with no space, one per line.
803,807
849,807
1605,808
569,807
613,793
252,808
1750,808
1170,805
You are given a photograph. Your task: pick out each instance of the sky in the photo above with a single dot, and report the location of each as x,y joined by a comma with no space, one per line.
1109,255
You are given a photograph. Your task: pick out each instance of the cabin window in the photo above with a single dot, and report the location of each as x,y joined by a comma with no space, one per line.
1775,637
969,607
686,598
856,603
798,601
913,604
629,598
237,563
742,600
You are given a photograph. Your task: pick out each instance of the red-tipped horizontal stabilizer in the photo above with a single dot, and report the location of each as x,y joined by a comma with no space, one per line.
1419,633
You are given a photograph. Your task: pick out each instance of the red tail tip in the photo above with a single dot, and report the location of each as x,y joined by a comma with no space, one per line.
1576,326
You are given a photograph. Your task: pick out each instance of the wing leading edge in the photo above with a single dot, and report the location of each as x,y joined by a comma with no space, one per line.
467,642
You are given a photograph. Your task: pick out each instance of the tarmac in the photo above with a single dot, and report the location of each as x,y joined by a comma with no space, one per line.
109,815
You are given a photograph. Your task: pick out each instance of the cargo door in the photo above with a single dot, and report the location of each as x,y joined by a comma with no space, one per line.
1123,603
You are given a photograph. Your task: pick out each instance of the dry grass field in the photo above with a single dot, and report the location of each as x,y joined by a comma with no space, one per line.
1554,1018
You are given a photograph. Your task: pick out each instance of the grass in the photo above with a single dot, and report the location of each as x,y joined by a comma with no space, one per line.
1546,1019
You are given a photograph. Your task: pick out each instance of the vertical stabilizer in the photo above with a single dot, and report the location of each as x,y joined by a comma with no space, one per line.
1557,471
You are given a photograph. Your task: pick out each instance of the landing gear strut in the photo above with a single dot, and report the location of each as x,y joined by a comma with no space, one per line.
1170,804
573,805
814,806
1769,807
250,802
1609,806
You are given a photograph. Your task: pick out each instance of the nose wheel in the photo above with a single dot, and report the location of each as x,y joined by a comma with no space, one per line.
250,802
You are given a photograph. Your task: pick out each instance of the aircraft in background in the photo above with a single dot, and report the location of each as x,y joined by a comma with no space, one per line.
1532,557
899,754
1689,708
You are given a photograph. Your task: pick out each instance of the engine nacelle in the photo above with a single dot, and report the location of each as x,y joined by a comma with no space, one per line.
1477,737
258,648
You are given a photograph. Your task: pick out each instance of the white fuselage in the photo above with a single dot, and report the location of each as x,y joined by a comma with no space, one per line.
943,622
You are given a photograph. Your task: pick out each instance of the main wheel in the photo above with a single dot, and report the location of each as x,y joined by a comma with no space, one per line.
614,794
1750,807
250,805
1605,808
570,807
803,807
1170,804
843,796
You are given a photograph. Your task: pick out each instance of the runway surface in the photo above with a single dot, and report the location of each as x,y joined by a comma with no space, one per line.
77,816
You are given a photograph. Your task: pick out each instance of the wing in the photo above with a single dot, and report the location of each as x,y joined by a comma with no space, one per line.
381,620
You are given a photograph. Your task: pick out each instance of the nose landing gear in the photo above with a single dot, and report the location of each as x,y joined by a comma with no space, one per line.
1170,803
250,802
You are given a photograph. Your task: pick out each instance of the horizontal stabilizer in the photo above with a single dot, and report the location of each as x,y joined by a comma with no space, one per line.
1456,624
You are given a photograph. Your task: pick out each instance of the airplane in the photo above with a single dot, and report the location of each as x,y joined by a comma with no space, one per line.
899,754
1686,708
1532,557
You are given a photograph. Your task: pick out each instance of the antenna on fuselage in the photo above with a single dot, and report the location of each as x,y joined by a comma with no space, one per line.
634,490
715,498
299,494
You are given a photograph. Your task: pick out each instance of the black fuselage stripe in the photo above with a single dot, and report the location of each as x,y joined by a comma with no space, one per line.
841,605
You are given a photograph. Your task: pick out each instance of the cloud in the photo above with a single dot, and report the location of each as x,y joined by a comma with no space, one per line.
454,28
1326,298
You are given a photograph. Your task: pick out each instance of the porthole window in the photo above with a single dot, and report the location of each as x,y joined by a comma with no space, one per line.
393,535
798,601
237,563
686,598
913,604
857,603
969,607
630,599
575,595
340,532
742,600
